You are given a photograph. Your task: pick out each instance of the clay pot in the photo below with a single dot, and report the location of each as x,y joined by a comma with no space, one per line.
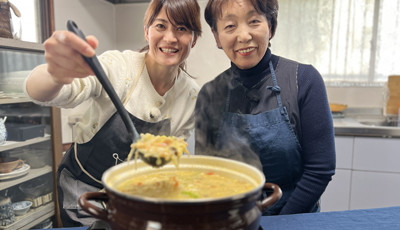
9,164
124,211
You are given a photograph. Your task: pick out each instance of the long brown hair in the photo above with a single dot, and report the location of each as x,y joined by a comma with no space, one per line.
179,12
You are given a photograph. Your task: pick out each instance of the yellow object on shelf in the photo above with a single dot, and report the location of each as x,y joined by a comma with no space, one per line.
337,107
41,200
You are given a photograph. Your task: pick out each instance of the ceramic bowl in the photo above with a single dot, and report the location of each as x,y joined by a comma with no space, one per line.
9,164
22,207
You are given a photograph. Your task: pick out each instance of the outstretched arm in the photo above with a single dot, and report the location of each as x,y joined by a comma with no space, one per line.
63,54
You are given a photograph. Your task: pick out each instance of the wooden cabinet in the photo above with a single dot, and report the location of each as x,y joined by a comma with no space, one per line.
367,174
34,135
376,173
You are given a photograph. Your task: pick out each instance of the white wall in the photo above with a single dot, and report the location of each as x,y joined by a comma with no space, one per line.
129,26
358,97
206,60
93,17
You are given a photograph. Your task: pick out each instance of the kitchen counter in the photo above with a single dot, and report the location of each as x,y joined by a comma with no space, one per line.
353,127
365,122
380,218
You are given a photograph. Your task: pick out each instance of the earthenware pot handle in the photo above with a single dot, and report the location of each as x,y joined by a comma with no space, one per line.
91,208
273,198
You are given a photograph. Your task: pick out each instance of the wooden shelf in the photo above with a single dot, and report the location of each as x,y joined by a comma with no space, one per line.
13,100
32,218
14,44
33,173
17,144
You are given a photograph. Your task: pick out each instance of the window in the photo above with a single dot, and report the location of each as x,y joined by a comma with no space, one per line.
348,41
26,26
35,23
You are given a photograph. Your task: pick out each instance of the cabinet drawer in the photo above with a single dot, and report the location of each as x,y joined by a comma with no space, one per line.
376,154
374,190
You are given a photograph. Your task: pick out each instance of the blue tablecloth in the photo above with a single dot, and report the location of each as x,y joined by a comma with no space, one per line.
381,218
363,219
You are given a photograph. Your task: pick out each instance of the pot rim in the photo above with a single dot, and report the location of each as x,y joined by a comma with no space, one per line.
141,165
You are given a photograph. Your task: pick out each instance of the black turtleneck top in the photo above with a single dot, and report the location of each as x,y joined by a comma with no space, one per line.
309,114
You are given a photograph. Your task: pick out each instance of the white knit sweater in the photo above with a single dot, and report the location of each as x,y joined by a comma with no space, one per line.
122,68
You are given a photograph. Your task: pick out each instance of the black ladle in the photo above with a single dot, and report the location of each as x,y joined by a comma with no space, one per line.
105,82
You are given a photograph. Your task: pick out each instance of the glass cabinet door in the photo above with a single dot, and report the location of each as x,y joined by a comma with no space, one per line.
27,152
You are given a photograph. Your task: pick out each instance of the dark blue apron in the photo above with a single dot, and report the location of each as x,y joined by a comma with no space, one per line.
113,139
81,172
268,138
96,156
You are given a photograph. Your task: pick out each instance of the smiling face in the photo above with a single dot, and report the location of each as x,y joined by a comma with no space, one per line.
242,33
169,44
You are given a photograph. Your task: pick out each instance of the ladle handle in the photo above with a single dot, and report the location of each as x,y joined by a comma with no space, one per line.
105,82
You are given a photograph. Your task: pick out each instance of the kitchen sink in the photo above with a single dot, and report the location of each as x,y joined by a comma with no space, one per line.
378,120
367,122
380,123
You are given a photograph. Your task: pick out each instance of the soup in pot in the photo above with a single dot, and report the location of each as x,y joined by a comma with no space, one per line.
185,184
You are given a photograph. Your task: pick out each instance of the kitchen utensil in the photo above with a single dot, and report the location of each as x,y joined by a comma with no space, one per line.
7,215
5,20
3,131
22,207
126,211
9,164
102,77
15,173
